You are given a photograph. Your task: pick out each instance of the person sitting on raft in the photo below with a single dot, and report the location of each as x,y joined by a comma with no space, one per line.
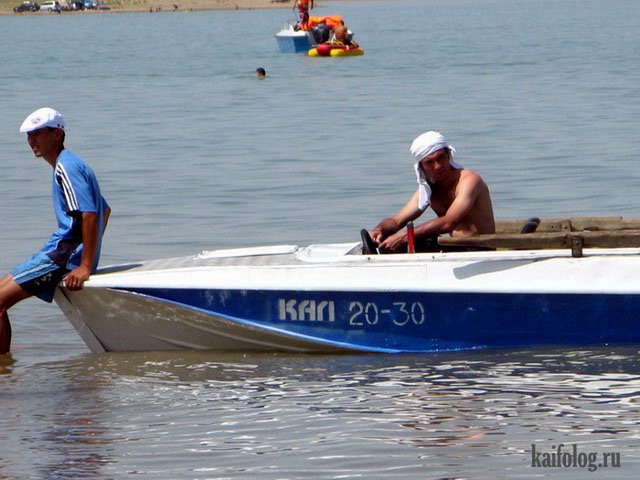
341,34
459,197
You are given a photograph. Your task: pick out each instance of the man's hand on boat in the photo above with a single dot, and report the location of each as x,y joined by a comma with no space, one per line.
389,237
75,278
396,243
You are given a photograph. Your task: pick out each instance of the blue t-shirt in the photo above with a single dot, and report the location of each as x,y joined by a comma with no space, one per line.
75,191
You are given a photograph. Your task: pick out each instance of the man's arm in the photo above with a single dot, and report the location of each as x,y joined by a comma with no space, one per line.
75,279
469,190
107,212
391,225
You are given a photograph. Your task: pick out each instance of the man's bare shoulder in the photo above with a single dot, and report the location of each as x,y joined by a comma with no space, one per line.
465,172
469,177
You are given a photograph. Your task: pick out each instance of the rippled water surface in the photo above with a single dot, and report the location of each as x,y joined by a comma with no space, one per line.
199,415
541,97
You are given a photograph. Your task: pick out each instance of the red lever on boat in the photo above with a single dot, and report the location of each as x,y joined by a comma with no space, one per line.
411,238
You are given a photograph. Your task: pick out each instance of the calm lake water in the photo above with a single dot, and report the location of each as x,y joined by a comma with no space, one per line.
541,97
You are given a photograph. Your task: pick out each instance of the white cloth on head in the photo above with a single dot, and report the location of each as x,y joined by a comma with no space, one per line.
423,146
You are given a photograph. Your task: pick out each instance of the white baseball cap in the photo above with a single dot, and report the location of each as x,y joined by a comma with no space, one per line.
41,118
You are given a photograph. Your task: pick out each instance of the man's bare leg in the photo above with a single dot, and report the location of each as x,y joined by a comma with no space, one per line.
10,294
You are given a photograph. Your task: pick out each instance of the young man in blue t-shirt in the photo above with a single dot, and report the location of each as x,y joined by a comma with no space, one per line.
73,251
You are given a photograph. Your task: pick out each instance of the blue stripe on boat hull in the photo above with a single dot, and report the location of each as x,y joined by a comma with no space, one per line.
420,322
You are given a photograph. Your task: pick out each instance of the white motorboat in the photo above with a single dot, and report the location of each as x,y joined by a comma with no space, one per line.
291,40
573,282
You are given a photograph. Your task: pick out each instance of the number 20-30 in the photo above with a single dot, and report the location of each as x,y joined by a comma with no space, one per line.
369,313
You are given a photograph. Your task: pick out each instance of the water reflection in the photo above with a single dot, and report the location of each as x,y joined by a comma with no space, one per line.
55,418
283,416
6,364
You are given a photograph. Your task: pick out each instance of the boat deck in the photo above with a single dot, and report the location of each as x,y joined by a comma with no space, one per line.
554,238
557,233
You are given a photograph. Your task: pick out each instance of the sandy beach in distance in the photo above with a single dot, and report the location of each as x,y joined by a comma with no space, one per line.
6,6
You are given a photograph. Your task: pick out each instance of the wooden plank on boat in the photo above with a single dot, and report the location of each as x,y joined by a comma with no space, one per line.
575,224
533,241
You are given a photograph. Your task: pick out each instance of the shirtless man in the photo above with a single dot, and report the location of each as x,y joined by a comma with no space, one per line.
341,34
459,197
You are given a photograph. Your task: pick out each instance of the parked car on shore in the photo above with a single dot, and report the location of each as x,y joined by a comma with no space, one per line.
51,6
76,4
26,7
89,5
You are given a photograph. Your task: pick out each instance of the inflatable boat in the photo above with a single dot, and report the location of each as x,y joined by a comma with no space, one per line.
334,49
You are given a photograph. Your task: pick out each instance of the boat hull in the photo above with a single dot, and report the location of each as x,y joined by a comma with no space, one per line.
172,319
307,301
292,41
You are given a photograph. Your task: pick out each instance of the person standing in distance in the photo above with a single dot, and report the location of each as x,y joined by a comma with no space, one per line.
73,250
303,7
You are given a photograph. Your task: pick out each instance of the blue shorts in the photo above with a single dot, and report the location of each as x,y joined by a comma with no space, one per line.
39,276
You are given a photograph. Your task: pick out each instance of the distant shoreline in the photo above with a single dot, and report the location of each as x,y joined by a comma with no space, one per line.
162,6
